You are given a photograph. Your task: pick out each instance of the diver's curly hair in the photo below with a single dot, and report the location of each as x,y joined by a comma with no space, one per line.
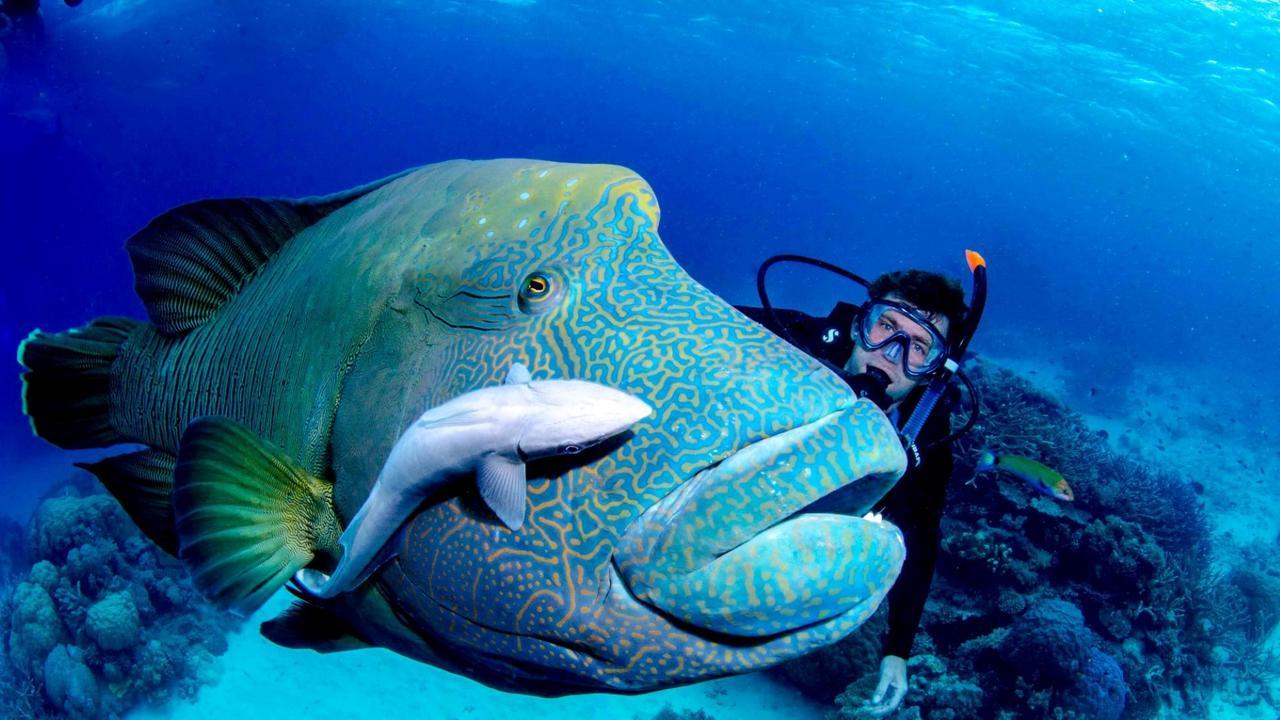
928,291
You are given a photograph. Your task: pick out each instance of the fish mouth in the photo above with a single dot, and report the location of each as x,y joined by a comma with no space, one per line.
771,539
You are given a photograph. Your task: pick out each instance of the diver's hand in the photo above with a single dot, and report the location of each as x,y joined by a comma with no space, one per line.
892,688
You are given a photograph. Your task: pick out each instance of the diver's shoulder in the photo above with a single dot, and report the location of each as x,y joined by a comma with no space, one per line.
772,318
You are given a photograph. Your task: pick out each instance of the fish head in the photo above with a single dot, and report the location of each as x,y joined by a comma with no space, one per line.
565,417
690,549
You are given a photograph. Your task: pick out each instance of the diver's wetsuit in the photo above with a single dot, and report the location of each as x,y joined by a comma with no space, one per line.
915,503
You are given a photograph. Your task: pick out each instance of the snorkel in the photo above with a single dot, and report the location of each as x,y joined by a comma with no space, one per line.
978,271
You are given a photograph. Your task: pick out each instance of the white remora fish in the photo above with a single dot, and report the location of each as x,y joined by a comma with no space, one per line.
491,431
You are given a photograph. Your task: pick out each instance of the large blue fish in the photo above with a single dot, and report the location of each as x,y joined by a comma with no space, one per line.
291,343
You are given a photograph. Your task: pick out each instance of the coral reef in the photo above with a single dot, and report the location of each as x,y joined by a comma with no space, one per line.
1050,647
1241,659
12,560
1109,605
113,622
69,683
1098,691
34,627
1048,642
103,620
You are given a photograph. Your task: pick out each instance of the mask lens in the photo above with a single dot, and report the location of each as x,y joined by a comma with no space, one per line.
879,328
893,329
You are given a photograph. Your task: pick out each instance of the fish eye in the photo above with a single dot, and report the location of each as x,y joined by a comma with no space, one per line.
538,291
570,449
536,286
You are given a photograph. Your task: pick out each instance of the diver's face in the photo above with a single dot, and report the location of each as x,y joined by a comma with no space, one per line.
900,384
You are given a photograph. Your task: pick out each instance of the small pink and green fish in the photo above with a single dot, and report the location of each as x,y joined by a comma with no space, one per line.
1039,476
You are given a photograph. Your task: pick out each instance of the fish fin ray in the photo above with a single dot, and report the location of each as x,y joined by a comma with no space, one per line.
67,385
502,485
242,546
142,482
190,260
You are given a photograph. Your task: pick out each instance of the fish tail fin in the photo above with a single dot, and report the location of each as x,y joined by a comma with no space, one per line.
986,461
67,384
247,515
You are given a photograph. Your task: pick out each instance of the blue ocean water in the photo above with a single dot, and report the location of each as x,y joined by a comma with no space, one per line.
1117,163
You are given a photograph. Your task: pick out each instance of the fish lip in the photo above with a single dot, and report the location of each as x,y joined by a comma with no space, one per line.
695,476
750,492
813,504
750,446
738,452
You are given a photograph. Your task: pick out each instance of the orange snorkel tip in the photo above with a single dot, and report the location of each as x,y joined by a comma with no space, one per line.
974,259
978,300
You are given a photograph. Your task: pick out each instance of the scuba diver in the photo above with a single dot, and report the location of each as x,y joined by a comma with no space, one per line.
900,349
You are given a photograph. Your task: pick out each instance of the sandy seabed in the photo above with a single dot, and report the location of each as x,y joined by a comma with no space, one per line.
1229,443
262,680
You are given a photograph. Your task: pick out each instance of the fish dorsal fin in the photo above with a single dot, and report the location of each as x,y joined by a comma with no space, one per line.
518,374
502,485
193,258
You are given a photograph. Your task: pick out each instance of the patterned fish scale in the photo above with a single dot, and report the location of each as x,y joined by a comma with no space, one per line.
545,609
674,555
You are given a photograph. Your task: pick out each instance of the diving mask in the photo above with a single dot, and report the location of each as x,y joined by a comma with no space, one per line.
903,336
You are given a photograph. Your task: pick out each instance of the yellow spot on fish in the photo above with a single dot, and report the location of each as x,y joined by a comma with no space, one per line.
522,223
482,221
525,195
572,182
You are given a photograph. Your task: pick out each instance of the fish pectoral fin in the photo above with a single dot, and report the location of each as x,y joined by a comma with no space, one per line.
502,485
311,627
518,374
142,482
247,516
